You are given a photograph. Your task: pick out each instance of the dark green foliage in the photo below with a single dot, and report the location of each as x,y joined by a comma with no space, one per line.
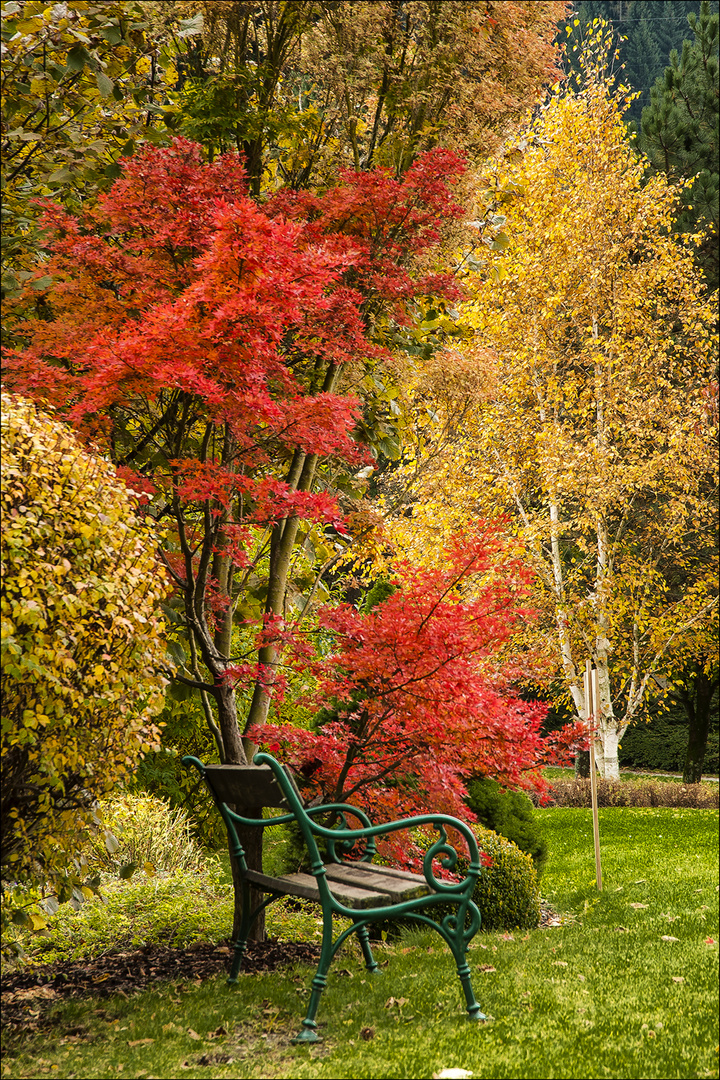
680,131
661,744
668,53
646,35
509,813
507,893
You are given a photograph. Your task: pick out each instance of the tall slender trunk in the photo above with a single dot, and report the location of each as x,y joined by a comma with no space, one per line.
697,703
301,477
610,730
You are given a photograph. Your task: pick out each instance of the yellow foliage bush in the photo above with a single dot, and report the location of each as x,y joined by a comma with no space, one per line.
82,644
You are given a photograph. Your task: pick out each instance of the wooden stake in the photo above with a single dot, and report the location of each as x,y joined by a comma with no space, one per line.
592,698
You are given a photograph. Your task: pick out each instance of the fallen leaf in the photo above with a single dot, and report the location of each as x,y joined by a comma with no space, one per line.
622,929
581,978
668,937
139,1042
217,1033
452,1074
678,978
487,968
396,1001
639,905
193,1034
32,992
560,963
710,941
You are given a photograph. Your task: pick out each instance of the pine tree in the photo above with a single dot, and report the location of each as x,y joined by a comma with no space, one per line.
680,132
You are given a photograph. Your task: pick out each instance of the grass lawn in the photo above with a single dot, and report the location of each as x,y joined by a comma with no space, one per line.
626,987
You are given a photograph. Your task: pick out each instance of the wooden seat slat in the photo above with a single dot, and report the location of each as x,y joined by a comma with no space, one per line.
355,896
367,877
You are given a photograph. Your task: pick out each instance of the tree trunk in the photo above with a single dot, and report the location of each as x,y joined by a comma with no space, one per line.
250,838
608,764
582,764
252,843
697,705
224,695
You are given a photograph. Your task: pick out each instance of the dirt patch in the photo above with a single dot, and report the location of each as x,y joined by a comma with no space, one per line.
28,995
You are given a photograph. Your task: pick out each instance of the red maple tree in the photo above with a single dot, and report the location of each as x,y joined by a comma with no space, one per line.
209,346
422,692
204,342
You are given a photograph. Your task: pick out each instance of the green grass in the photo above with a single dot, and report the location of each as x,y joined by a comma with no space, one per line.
602,995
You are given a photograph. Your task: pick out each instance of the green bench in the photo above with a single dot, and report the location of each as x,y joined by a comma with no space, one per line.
351,887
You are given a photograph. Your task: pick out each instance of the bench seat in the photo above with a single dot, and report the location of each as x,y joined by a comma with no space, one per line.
357,887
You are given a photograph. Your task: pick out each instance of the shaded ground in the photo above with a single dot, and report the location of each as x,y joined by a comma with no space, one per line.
28,995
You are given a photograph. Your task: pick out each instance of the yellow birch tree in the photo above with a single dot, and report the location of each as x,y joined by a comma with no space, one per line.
585,406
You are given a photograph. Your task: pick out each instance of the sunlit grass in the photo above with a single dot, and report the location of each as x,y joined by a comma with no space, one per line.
603,995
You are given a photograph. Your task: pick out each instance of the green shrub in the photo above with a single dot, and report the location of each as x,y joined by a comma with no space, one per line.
661,745
145,833
509,813
168,909
507,893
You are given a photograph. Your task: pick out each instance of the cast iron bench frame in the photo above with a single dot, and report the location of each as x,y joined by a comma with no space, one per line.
352,888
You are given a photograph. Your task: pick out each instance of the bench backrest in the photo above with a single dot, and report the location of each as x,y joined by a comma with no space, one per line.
247,786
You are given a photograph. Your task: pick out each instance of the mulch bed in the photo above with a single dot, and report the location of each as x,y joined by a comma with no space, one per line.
27,995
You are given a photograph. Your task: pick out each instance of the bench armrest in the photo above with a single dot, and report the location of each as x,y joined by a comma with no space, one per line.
441,849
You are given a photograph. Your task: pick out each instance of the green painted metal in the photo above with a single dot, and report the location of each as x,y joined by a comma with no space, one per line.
457,929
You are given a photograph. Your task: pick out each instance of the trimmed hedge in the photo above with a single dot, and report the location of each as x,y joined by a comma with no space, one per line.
510,814
507,893
662,744
619,793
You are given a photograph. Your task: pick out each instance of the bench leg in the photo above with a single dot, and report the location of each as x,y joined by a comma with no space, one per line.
241,940
308,1031
473,1007
363,935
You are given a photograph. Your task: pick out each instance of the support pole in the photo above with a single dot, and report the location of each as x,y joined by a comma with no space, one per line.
592,697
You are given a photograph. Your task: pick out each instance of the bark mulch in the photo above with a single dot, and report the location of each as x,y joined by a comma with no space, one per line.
27,994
